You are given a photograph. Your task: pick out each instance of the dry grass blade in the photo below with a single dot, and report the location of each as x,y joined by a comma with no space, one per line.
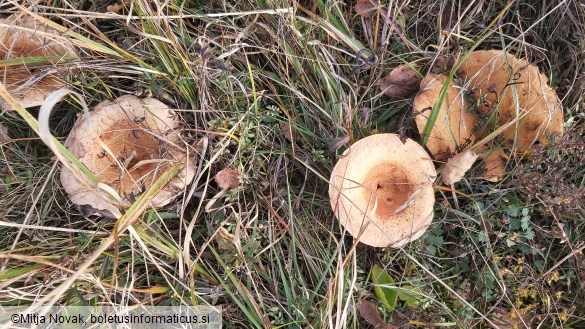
277,90
132,214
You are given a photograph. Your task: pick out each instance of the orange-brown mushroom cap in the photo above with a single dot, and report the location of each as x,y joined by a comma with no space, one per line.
513,89
142,135
23,37
454,124
381,190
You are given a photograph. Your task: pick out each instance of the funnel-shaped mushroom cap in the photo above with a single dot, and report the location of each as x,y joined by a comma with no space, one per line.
454,124
23,37
513,88
143,136
381,190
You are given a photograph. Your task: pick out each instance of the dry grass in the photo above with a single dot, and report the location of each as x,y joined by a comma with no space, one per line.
274,89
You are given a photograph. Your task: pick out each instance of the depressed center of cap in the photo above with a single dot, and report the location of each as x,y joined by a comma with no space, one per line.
388,188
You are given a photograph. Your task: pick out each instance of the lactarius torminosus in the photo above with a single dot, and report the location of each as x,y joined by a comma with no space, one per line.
514,90
381,190
454,125
24,38
128,144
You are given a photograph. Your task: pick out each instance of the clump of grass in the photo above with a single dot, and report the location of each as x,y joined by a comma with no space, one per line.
269,88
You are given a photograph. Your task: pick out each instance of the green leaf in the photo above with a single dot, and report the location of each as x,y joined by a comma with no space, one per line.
410,295
382,287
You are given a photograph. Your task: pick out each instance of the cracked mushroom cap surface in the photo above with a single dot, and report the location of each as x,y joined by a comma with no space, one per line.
23,37
454,125
128,144
512,88
381,190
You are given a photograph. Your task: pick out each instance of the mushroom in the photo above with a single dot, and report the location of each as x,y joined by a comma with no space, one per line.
454,125
128,144
381,190
23,37
514,90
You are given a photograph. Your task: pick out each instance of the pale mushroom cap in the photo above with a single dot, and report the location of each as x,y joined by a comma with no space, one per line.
143,135
25,37
454,125
381,190
521,90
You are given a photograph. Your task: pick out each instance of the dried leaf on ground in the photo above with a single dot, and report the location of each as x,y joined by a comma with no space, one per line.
289,132
337,143
494,164
454,126
366,8
443,64
401,82
371,315
23,37
457,166
227,178
116,7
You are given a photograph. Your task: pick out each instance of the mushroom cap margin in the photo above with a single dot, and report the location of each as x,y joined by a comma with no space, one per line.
82,143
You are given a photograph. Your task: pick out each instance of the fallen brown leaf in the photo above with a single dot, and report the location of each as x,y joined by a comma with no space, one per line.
337,142
511,319
116,7
366,8
370,314
227,178
289,132
401,82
